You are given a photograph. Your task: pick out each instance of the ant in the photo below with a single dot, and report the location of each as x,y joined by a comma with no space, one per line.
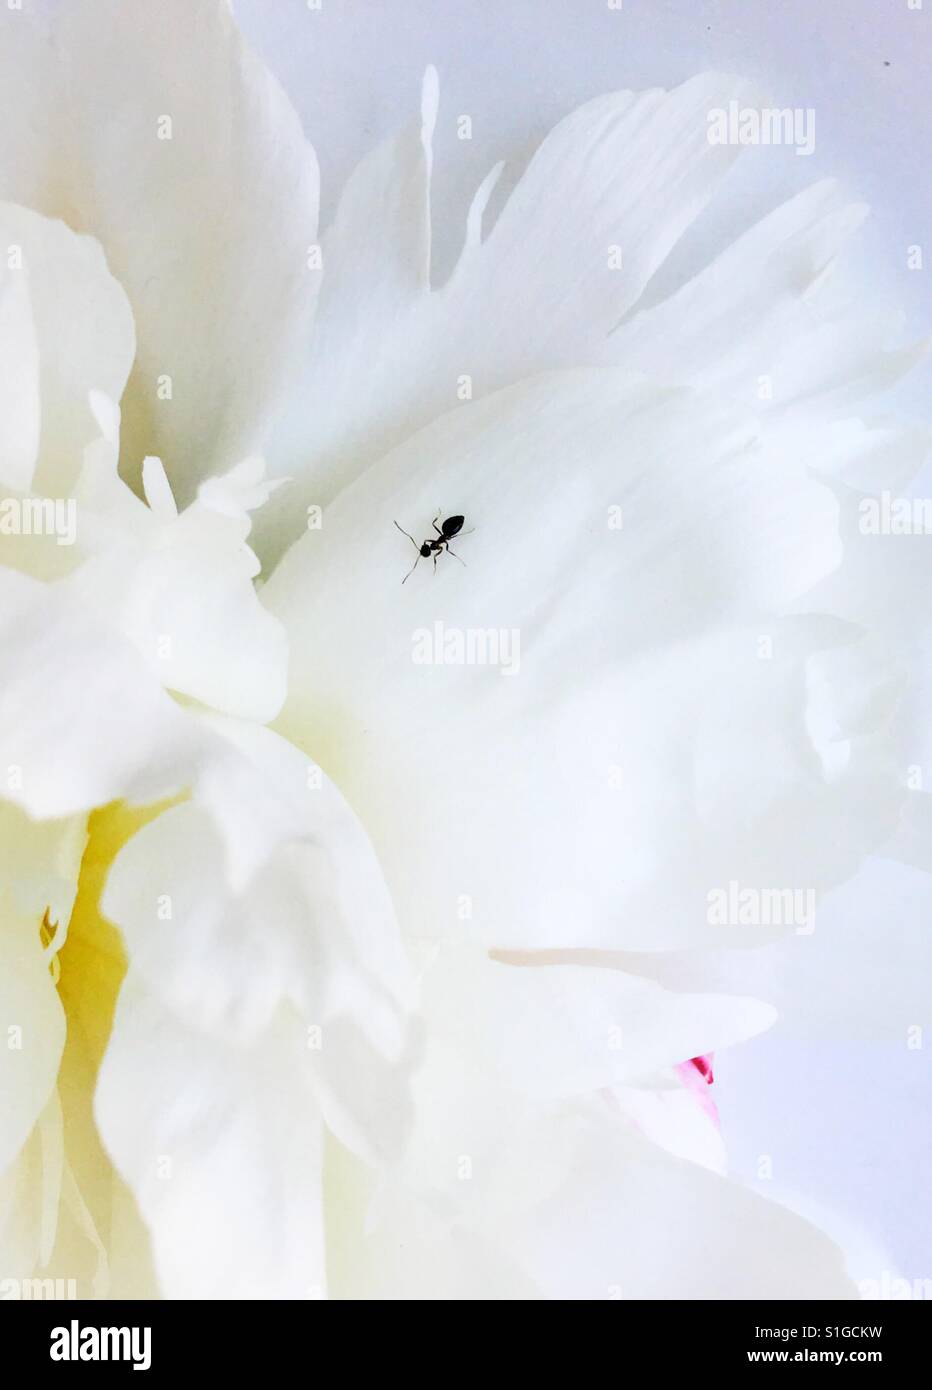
445,534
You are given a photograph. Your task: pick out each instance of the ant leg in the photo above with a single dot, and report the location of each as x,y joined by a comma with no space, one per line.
436,558
410,538
456,557
413,568
434,522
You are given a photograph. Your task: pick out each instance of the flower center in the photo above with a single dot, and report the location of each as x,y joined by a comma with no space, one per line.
94,1213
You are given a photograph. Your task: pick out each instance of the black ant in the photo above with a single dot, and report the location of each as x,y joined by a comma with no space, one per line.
445,534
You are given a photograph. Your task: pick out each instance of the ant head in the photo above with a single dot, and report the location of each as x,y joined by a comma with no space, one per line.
425,548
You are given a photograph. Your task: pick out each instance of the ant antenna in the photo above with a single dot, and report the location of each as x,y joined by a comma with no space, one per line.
411,539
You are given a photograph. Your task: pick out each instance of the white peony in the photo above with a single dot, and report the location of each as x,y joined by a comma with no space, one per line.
328,967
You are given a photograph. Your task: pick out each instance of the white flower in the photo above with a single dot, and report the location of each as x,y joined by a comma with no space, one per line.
208,980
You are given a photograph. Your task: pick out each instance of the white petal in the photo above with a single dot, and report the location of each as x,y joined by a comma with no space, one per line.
728,325
33,1030
875,924
869,456
19,383
662,755
671,1117
81,720
632,169
388,354
180,587
773,321
84,333
563,1201
39,866
554,1030
307,929
29,74
221,1146
257,1004
240,491
633,1222
30,1192
380,236
158,490
208,230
